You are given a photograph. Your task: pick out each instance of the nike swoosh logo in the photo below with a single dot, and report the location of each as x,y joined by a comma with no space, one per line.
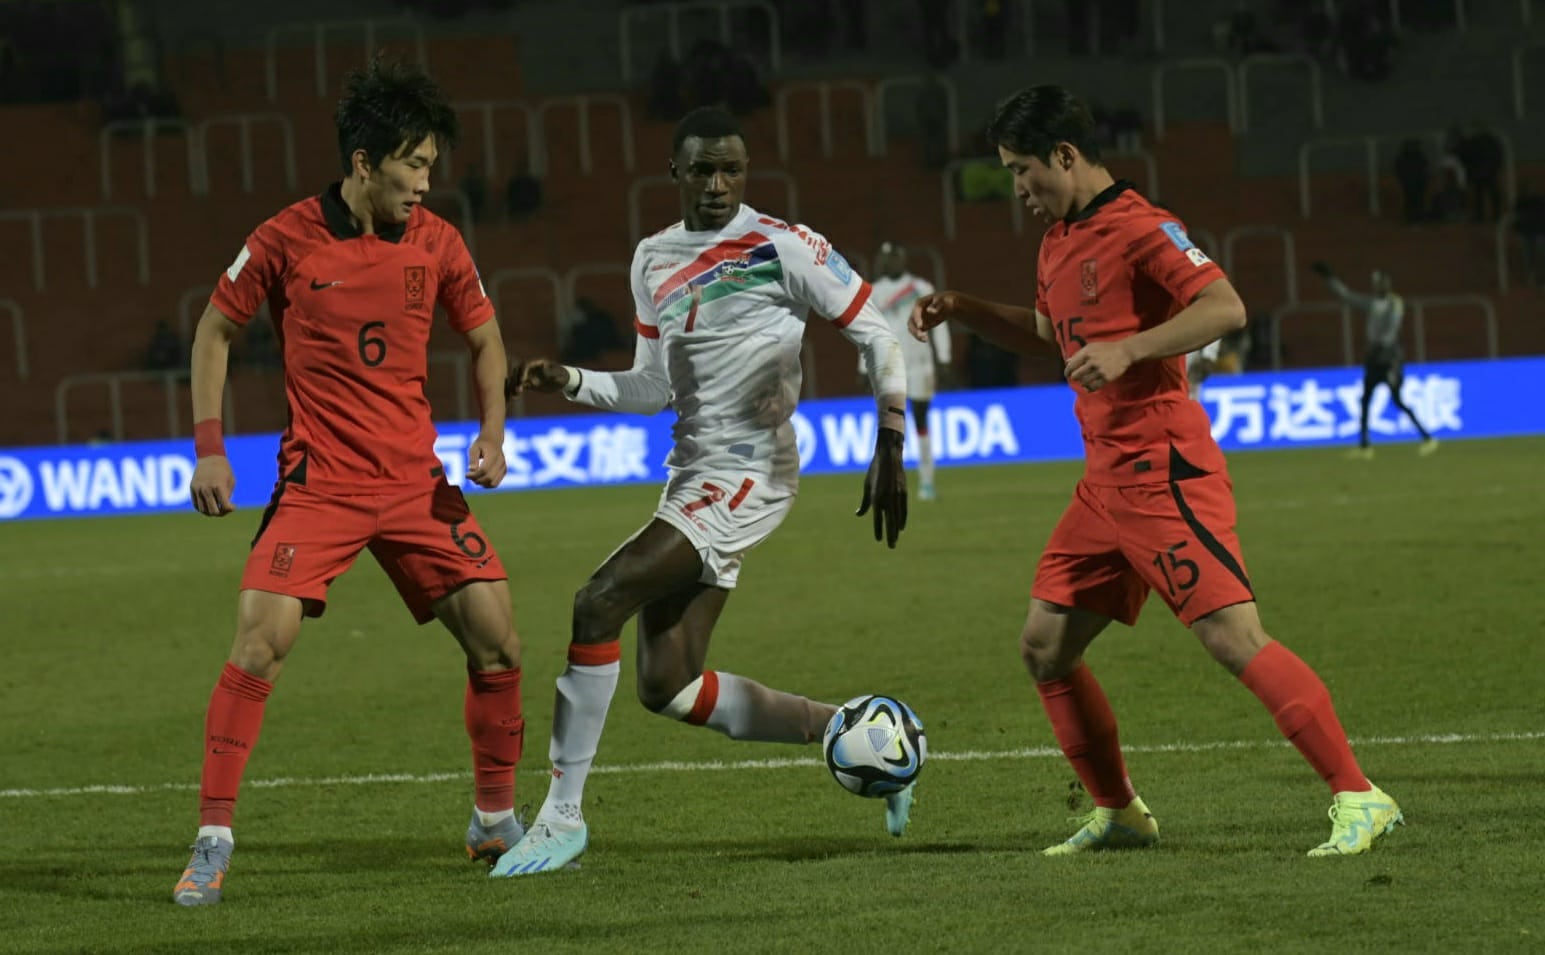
319,286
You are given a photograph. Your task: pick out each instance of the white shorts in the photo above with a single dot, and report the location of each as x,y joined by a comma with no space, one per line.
920,383
724,515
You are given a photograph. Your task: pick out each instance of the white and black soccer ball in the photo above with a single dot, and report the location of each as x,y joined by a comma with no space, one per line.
874,745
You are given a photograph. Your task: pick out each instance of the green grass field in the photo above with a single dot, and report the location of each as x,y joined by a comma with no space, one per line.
1411,584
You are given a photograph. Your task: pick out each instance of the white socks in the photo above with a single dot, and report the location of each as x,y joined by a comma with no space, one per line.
490,819
746,710
584,696
222,832
925,458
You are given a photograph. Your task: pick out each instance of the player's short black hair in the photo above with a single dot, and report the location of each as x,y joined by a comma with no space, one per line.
387,104
705,122
1034,120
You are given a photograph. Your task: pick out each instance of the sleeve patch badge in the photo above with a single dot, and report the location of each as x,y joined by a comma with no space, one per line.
1177,235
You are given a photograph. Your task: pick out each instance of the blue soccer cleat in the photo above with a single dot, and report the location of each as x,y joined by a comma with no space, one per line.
544,848
488,843
204,879
898,809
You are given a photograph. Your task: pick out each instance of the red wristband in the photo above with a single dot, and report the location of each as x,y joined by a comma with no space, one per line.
209,438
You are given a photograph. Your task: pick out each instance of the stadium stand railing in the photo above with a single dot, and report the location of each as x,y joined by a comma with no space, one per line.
88,216
371,30
823,89
18,336
582,105
1289,245
244,123
1158,80
171,383
506,309
149,129
889,85
1374,167
629,18
1257,61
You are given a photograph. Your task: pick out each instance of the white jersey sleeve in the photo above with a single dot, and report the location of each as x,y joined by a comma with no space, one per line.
816,275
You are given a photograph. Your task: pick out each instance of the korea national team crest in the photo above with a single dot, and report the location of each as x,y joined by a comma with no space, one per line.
413,286
1089,282
284,560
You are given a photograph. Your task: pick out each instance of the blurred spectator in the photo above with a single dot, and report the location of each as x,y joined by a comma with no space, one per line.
715,75
474,186
523,195
1367,42
1411,171
164,350
933,119
938,34
995,28
1242,34
1480,151
1529,224
590,333
666,103
1448,203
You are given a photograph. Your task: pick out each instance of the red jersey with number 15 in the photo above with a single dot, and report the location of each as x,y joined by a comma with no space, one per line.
352,313
1118,267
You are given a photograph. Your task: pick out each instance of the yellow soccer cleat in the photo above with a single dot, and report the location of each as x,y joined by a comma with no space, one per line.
1360,454
1358,819
1428,447
1131,828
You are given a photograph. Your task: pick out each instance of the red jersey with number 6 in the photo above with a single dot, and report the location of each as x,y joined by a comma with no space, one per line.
352,314
1118,267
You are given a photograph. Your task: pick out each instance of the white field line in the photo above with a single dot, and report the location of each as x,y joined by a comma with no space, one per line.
679,766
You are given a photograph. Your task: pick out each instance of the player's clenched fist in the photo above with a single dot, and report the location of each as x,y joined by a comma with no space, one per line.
211,486
932,309
544,375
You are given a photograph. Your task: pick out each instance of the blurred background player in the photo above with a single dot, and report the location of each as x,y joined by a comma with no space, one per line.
895,289
352,278
1122,292
1382,363
1200,364
725,293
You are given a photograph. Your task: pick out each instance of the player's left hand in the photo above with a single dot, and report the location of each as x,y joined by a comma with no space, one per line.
485,462
885,488
1098,364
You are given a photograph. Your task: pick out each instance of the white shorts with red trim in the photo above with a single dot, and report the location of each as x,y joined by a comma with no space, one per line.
724,514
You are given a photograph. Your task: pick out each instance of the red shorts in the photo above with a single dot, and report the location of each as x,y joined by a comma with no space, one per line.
1114,544
425,539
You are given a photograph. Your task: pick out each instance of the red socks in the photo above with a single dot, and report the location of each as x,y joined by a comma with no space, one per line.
1301,705
230,732
497,731
1085,727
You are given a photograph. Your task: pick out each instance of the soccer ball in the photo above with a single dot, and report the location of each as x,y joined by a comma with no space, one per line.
874,745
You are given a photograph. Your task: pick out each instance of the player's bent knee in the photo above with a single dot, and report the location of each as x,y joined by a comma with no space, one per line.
669,698
599,610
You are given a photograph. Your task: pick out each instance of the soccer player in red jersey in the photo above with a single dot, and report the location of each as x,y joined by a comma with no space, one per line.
352,278
1123,294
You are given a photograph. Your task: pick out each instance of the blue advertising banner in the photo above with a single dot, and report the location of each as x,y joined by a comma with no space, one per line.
1270,410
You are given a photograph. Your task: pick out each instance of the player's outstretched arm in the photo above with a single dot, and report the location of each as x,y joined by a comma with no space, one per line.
485,457
1009,326
885,484
213,481
643,389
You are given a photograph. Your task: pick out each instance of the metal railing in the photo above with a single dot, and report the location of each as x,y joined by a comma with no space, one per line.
243,123
148,128
499,279
319,31
88,216
1348,352
1520,99
1150,168
487,109
1374,171
789,212
1417,308
18,336
1210,64
582,104
673,12
467,224
948,177
1503,231
1205,240
824,90
1258,60
571,283
1289,252
881,125
170,381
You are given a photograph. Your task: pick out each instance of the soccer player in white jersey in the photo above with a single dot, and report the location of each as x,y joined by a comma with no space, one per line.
894,292
722,299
